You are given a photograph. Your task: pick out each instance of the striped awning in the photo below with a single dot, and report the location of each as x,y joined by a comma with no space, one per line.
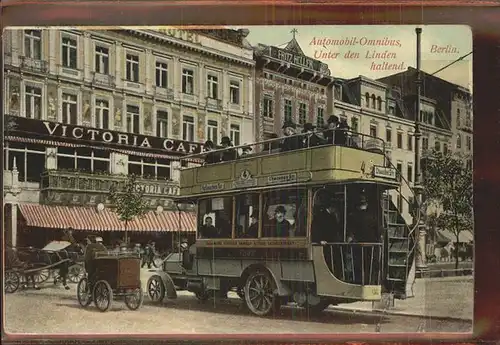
124,151
90,219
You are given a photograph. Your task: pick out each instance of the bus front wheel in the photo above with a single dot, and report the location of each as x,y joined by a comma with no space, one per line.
259,294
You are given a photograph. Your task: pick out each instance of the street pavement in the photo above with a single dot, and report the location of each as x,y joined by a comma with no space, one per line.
53,310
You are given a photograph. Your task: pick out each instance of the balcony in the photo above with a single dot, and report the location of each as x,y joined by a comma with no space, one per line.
34,65
70,72
75,187
103,79
214,104
164,93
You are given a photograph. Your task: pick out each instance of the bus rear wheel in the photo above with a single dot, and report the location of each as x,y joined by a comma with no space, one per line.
259,294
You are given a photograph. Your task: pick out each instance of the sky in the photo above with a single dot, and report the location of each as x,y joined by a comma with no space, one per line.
456,41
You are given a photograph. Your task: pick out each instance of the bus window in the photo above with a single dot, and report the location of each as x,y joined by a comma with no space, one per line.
215,217
285,213
247,215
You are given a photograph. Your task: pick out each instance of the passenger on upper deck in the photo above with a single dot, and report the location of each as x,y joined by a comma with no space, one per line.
228,154
341,133
272,145
311,139
280,226
331,126
291,142
326,225
210,157
208,230
246,150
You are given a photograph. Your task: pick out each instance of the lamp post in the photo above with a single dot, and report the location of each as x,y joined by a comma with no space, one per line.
420,259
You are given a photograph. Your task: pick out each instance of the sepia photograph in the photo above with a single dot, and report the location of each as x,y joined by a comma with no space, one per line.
238,180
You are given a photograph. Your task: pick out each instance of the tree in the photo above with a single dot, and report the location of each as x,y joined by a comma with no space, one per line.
447,183
128,202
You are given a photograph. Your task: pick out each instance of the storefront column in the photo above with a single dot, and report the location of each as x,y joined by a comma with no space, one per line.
13,225
176,171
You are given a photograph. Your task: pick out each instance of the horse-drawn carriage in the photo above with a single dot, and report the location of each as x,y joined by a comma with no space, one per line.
114,274
38,265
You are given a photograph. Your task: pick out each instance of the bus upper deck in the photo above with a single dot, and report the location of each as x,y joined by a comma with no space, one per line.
358,158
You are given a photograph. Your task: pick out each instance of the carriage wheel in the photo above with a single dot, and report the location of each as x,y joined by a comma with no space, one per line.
135,299
102,295
76,272
259,294
83,292
41,276
156,289
12,282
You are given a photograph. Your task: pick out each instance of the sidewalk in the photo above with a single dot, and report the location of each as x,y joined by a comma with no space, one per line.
447,298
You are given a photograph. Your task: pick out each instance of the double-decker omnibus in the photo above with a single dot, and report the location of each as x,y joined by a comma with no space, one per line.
315,226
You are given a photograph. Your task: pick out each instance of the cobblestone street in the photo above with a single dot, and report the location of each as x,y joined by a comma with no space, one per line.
55,310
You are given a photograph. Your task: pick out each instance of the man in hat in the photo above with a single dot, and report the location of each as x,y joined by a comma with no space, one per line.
90,253
210,157
281,226
327,225
331,126
229,154
253,230
341,133
291,142
311,139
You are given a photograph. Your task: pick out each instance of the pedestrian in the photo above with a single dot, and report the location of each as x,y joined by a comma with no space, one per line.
291,142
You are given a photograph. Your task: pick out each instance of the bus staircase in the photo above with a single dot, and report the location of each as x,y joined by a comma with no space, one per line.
399,258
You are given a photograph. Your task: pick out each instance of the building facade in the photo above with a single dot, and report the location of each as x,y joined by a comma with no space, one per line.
89,107
289,86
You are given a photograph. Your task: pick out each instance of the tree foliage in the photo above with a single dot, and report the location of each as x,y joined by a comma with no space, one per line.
447,184
128,201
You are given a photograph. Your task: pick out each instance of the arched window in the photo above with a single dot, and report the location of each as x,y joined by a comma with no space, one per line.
379,103
459,141
367,99
373,102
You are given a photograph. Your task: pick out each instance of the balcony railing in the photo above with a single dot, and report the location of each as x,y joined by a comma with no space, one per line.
33,64
69,181
214,103
164,92
103,79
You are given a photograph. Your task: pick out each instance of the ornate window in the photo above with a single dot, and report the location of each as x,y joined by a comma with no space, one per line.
132,64
29,160
33,44
82,159
149,167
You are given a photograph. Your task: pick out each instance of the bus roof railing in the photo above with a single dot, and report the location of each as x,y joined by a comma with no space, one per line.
265,147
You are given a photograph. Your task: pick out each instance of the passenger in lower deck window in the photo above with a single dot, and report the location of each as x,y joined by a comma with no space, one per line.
280,225
253,229
208,230
326,225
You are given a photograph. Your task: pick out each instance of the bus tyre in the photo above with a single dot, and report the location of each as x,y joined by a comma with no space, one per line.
259,294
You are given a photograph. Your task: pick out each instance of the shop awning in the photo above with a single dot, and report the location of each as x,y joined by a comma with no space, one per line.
90,219
448,236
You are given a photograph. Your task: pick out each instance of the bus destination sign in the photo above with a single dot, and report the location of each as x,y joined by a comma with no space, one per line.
384,172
